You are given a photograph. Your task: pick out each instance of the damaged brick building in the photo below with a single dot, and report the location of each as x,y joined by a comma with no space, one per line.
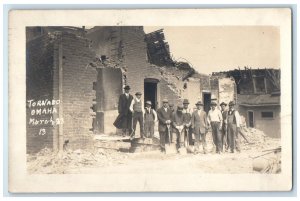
74,77
258,97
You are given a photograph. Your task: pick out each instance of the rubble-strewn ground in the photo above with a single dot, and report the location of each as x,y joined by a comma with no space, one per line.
111,160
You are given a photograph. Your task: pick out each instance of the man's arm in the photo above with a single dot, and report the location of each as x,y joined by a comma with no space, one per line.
131,105
155,115
237,119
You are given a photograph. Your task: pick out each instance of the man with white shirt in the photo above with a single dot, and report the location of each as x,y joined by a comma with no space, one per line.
215,120
233,126
137,108
200,127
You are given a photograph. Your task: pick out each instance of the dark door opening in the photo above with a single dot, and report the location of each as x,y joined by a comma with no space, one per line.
150,90
206,101
251,119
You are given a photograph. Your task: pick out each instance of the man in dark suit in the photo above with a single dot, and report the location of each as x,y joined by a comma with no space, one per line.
200,126
225,139
164,116
124,120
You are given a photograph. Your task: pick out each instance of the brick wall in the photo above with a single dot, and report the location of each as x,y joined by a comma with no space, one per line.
39,86
78,93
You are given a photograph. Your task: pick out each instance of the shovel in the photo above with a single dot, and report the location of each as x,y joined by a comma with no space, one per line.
170,147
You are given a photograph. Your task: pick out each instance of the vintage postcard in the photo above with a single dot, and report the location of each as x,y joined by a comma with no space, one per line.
150,100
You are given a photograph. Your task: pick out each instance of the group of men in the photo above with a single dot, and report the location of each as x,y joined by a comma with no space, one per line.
181,124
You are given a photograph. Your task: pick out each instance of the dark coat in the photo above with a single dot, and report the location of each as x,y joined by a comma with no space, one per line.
163,116
199,122
124,104
123,120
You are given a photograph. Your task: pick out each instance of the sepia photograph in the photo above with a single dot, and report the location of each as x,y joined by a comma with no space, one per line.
146,99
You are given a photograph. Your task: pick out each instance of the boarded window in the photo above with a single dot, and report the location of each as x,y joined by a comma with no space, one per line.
267,114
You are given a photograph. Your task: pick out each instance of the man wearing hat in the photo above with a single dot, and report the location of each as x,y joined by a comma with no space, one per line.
124,119
225,141
187,115
150,117
233,124
137,108
178,124
164,121
215,120
200,126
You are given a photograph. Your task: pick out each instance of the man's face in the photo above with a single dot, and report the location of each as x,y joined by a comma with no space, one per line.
148,106
185,106
165,105
127,91
213,107
138,96
223,107
231,107
199,107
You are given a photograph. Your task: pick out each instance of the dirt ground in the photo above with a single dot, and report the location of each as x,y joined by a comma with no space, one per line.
101,160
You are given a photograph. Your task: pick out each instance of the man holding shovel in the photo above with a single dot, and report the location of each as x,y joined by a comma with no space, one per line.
178,124
164,121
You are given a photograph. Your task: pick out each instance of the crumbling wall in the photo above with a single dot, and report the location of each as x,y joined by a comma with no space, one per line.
39,86
226,90
78,93
270,126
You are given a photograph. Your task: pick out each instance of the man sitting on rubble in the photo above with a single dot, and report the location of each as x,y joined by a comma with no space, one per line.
187,116
137,108
233,127
178,124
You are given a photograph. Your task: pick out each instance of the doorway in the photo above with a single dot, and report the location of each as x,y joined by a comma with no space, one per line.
251,119
150,90
206,101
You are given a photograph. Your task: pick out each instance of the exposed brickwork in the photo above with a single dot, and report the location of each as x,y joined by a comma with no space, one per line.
39,82
78,93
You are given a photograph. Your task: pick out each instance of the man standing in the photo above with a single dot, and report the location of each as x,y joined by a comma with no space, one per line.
137,108
215,119
224,126
233,123
124,119
178,124
187,116
164,121
200,126
150,118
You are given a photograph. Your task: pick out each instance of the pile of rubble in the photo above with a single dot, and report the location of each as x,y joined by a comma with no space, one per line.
48,162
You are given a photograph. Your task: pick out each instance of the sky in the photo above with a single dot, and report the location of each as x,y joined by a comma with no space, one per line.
222,48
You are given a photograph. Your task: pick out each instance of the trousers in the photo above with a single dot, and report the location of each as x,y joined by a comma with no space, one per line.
217,136
138,117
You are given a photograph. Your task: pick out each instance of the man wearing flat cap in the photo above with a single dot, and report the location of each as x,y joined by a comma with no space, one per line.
164,116
137,108
187,116
200,127
233,127
124,119
225,140
215,120
150,118
178,124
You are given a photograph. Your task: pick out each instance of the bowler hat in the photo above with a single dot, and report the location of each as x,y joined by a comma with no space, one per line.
127,87
138,93
231,103
186,101
199,103
223,104
213,103
148,103
165,100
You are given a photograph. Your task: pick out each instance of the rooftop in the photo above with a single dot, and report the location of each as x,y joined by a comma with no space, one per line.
259,100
